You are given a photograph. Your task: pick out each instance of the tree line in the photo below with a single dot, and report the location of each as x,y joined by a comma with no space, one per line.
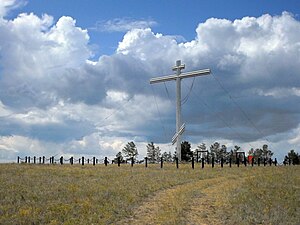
217,151
153,153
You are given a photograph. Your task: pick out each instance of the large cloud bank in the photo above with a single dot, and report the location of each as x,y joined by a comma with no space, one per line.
54,99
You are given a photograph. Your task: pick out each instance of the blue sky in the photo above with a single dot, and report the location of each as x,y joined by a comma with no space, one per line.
170,17
74,75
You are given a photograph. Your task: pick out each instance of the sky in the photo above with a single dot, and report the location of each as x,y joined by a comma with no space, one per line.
74,75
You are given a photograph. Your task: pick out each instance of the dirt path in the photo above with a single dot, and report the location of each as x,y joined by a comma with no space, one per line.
209,207
192,203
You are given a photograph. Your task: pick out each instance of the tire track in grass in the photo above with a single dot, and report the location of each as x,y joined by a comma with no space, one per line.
192,203
211,206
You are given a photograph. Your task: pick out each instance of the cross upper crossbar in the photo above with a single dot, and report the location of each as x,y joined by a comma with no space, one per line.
181,76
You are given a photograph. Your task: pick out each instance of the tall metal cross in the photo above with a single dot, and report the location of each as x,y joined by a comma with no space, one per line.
178,77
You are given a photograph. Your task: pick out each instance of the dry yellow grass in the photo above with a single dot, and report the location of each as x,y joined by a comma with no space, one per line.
55,194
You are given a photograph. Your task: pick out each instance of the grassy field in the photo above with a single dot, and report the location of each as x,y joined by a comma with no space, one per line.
65,194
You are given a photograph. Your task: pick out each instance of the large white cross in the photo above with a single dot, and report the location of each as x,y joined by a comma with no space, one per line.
178,76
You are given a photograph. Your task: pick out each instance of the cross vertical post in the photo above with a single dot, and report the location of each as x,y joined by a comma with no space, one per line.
178,69
178,77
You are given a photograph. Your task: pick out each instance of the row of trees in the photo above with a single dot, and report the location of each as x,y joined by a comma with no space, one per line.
153,153
216,150
219,151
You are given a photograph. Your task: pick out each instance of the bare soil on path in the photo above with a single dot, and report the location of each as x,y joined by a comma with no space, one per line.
200,202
